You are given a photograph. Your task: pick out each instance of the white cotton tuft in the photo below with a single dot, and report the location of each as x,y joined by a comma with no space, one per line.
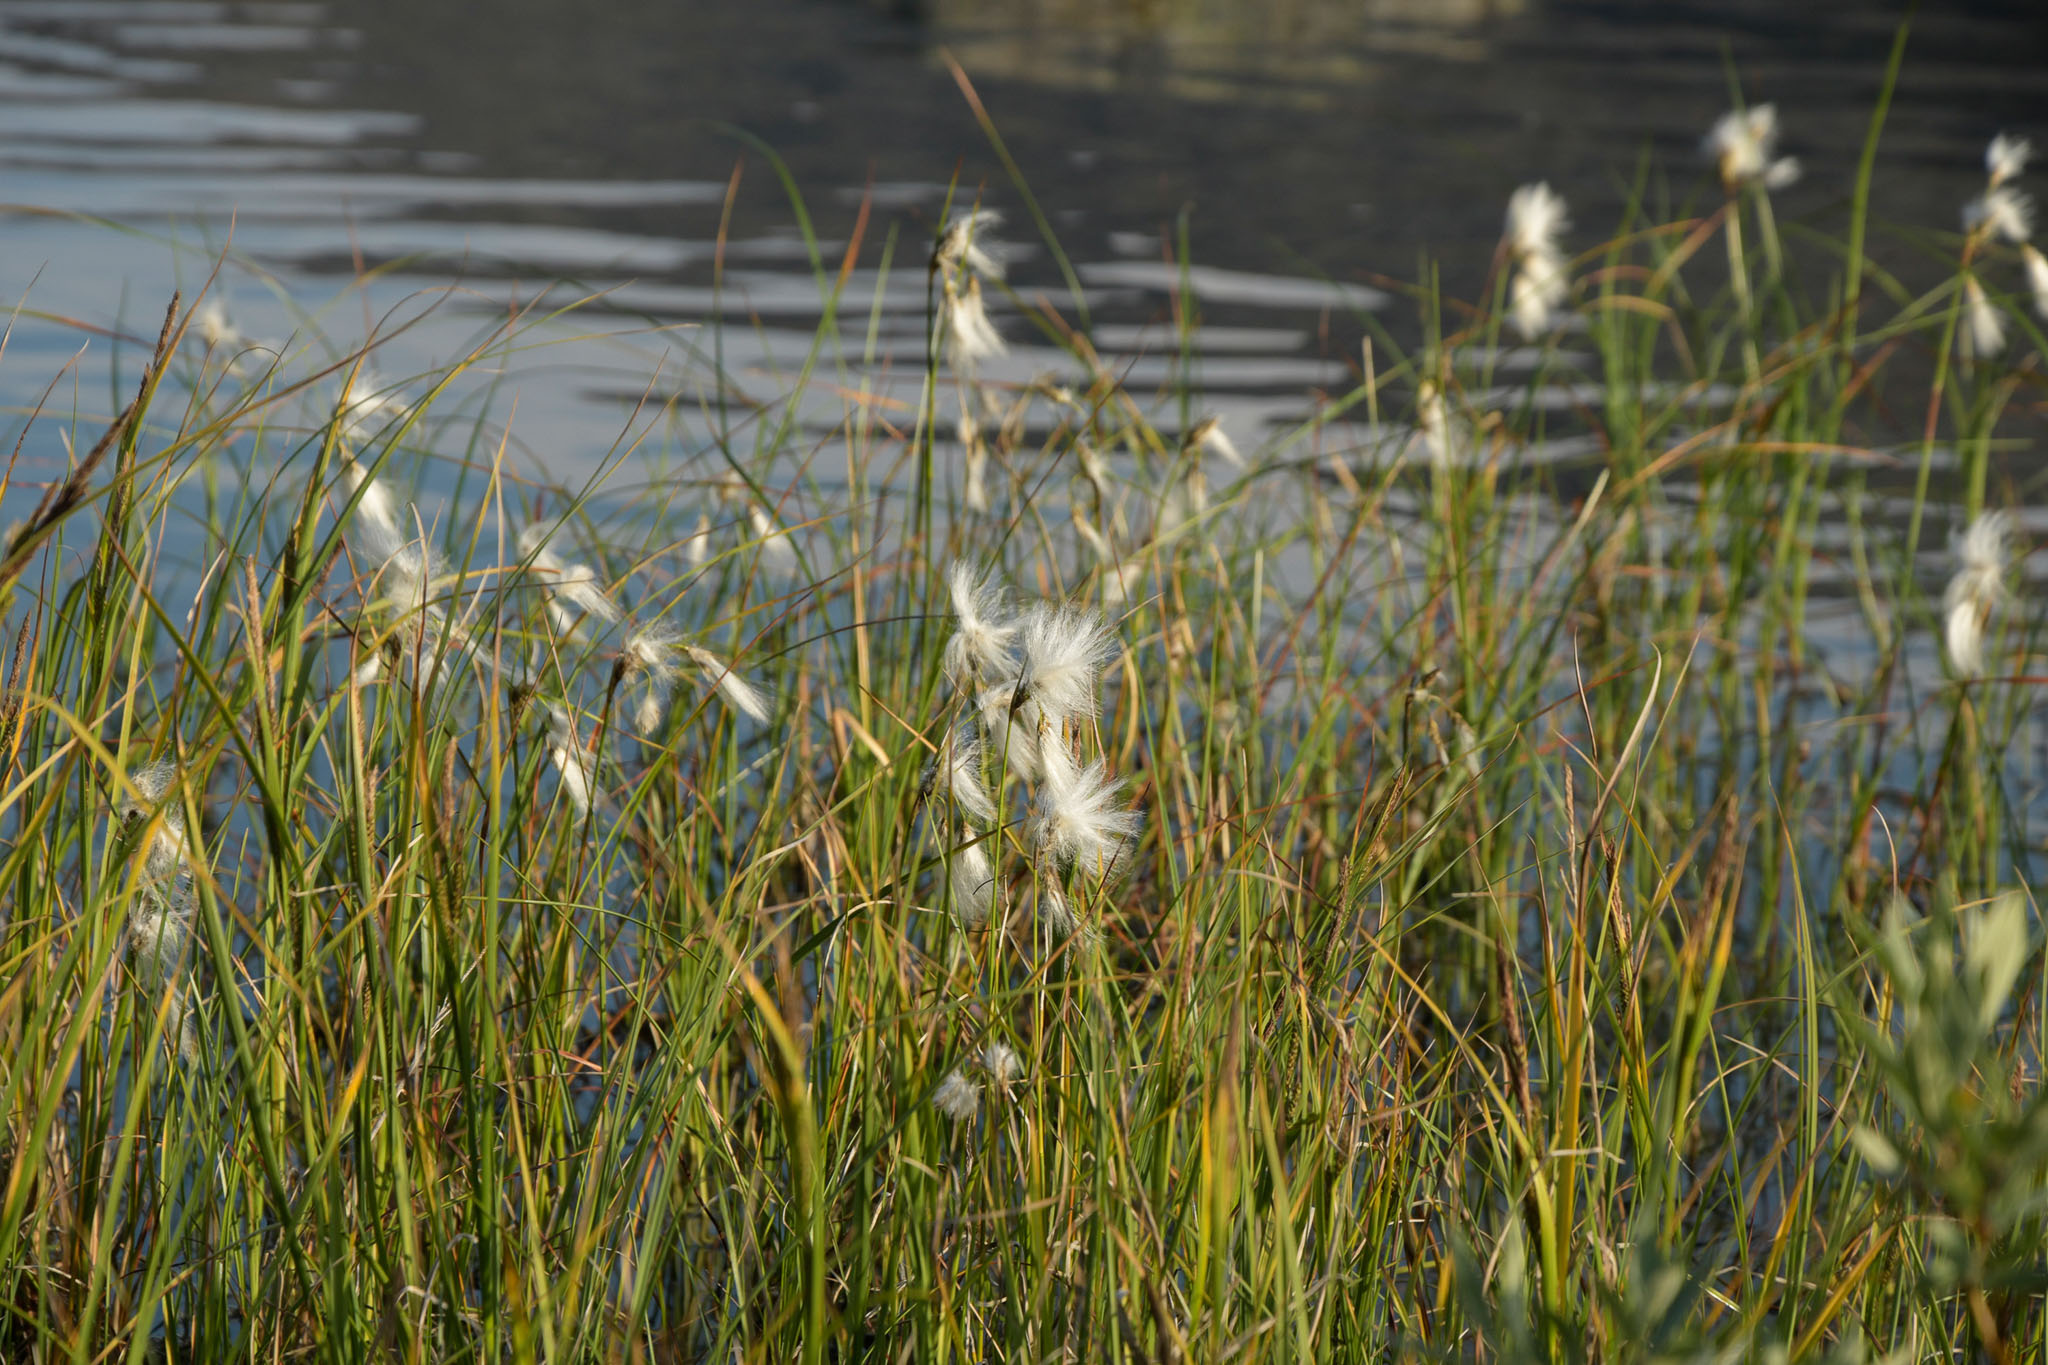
574,763
776,551
970,337
1976,590
1984,324
740,694
981,647
2037,277
1541,282
697,548
1002,1063
572,589
973,882
1078,820
1433,425
1065,650
650,657
1743,144
376,512
1055,911
957,771
957,1097
2003,214
959,244
1209,436
1012,733
2006,157
152,793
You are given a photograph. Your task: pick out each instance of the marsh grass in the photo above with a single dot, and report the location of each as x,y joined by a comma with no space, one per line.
1576,917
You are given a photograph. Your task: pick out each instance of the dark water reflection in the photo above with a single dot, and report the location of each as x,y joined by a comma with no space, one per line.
533,139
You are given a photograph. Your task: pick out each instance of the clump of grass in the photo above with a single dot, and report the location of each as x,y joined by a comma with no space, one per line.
1495,872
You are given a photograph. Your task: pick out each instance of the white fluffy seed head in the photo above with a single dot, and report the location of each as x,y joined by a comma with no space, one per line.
2006,157
957,771
1002,1063
1975,590
1055,911
574,763
377,513
1541,281
982,646
776,551
2037,277
572,589
1209,436
1536,221
959,245
1012,733
957,1097
1433,425
740,694
1983,323
1065,650
970,337
697,548
2003,214
1078,821
973,881
152,797
1743,144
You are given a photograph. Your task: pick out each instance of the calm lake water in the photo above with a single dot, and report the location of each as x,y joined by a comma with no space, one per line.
1315,146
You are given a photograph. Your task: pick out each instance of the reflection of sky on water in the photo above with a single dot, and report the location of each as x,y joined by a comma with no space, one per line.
1319,146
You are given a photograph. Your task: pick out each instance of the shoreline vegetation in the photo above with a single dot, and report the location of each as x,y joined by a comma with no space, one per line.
1038,875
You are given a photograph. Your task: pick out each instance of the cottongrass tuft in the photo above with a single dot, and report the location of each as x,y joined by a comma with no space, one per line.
1975,591
1433,426
574,763
1536,221
1012,728
973,881
970,337
959,245
1002,1064
1209,437
957,771
983,642
572,589
1983,323
1744,144
1065,650
2001,214
160,922
2037,276
2006,157
650,656
1078,820
376,512
957,1097
738,692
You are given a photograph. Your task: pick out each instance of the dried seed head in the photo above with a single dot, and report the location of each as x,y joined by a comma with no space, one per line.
1002,1064
1983,323
2006,157
973,883
1976,590
1065,650
1078,821
957,1097
2002,214
981,647
740,694
958,245
1744,144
